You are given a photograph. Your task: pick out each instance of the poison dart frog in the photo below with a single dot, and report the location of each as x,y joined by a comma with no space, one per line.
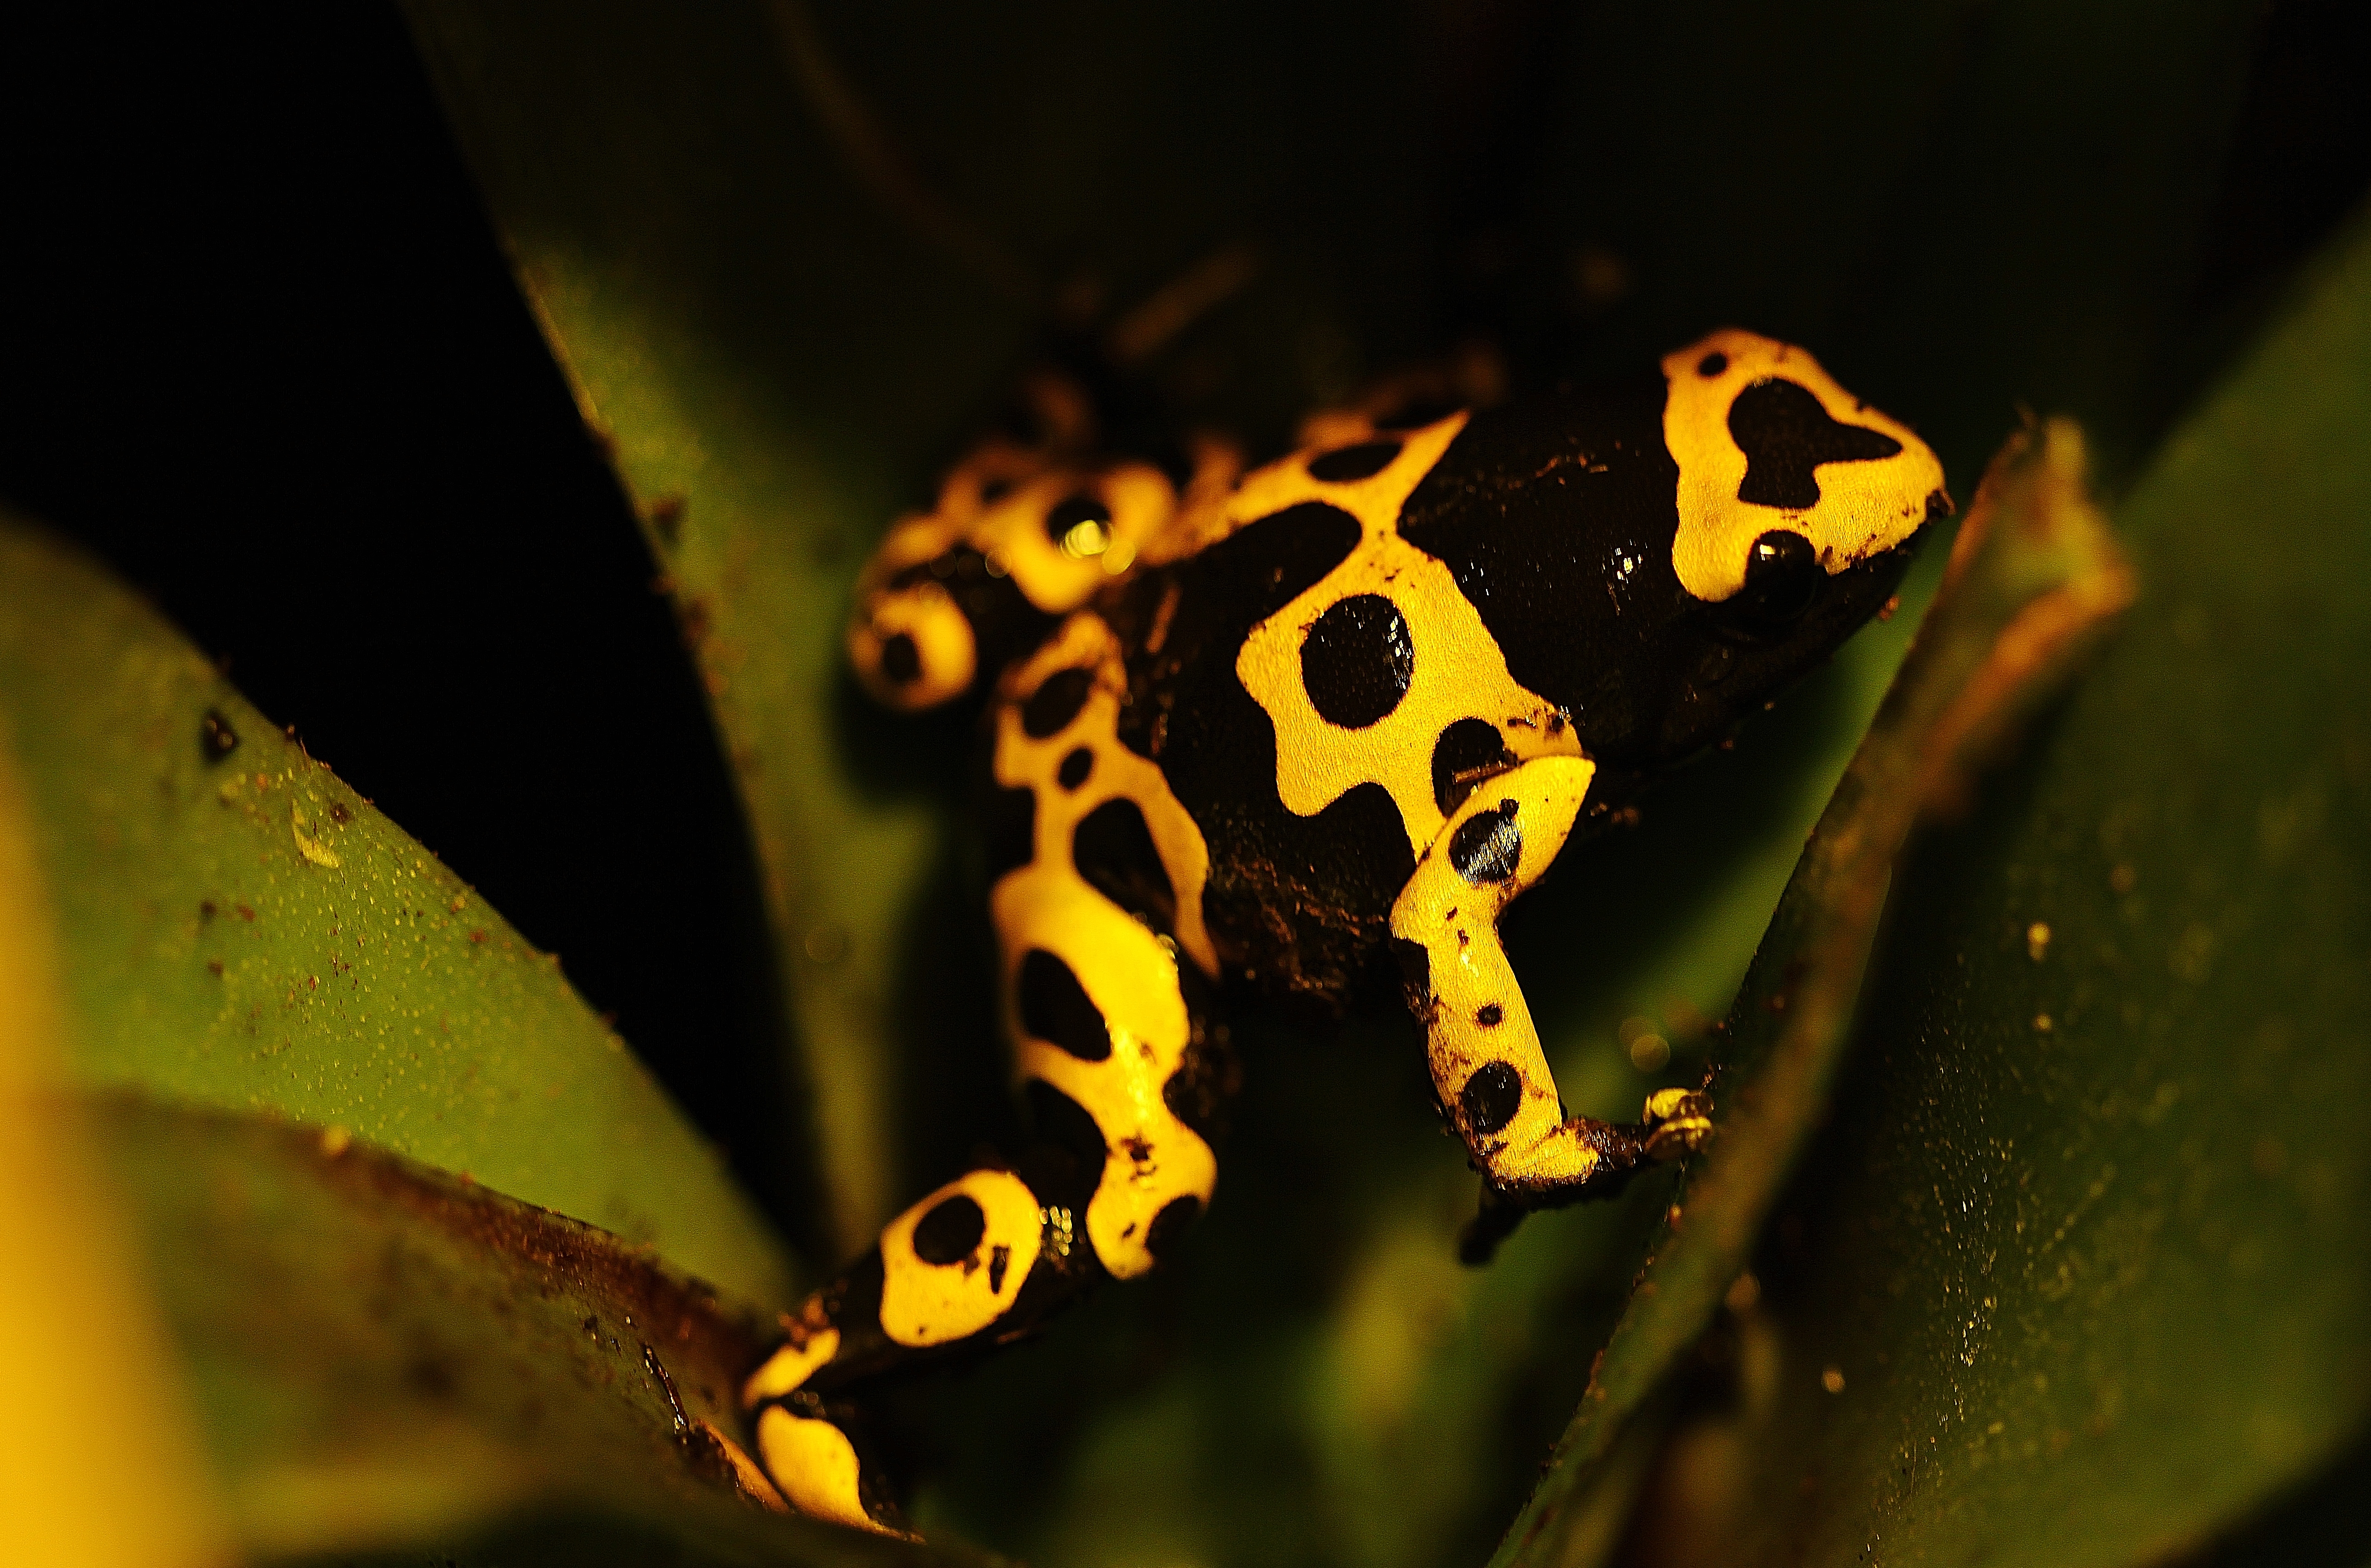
1265,735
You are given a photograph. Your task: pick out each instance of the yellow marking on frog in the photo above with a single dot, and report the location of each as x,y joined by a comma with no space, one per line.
1457,669
1084,641
1864,507
924,1303
1510,830
1056,576
1129,972
789,1367
814,1465
1060,575
1456,922
946,652
1682,1119
1150,1159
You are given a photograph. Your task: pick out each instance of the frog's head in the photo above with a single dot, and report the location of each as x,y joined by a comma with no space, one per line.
1780,471
1662,559
1796,504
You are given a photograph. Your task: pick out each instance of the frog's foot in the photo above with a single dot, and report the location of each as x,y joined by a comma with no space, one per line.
1678,1123
966,1265
984,1260
1582,1158
807,1447
819,1471
1487,1066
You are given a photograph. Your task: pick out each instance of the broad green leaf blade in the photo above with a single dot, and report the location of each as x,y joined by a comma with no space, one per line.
2088,1254
238,929
85,1338
388,1359
2032,578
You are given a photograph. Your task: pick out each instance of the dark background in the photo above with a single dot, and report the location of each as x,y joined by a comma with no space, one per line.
260,353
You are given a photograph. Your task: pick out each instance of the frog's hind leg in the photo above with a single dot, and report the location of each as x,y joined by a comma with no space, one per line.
1487,1066
1122,1163
981,1260
1108,966
1124,1062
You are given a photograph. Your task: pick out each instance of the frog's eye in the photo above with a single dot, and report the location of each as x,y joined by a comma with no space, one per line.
1783,578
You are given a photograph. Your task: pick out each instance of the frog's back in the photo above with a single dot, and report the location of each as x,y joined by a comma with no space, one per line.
1321,658
1370,631
1293,902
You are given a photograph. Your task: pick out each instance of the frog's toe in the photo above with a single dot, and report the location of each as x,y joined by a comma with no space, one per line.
1679,1123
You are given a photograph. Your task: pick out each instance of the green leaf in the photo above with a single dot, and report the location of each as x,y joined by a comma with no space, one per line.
388,1360
2086,1249
238,929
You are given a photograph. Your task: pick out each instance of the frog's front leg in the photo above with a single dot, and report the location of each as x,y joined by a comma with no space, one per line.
1487,1066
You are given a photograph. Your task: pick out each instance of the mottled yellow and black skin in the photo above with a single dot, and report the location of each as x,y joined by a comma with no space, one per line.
1300,735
